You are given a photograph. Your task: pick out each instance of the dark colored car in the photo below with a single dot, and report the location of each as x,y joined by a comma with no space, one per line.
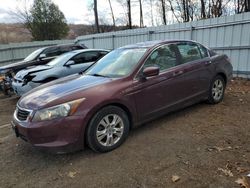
38,57
127,87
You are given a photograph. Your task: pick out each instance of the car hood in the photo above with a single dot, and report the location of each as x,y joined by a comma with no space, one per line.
12,66
45,94
22,73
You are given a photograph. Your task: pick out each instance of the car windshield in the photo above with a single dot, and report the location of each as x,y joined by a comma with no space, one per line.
33,55
117,63
61,59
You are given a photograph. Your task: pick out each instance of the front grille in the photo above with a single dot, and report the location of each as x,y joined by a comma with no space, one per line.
22,114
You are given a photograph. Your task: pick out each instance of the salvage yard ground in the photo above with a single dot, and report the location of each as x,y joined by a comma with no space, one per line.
201,146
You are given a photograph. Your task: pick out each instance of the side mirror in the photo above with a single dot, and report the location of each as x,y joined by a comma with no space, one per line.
151,71
42,56
69,63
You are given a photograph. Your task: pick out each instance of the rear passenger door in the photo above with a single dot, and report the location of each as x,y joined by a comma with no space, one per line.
195,65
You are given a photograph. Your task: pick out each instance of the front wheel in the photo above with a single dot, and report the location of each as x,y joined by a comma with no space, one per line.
108,129
216,90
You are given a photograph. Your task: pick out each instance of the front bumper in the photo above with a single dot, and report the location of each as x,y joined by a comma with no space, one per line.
57,136
21,89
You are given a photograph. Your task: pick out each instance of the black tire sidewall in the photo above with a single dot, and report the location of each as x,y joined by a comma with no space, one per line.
92,128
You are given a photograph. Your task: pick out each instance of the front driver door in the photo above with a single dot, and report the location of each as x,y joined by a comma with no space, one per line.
154,95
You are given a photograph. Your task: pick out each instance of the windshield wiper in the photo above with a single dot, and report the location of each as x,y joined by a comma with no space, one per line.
99,75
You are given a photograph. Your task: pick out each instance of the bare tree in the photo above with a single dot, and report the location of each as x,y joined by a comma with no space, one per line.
247,9
96,17
203,9
129,14
173,10
141,14
151,10
242,6
163,6
216,8
112,13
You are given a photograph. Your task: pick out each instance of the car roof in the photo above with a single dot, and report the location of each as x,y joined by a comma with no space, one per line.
64,45
87,50
149,44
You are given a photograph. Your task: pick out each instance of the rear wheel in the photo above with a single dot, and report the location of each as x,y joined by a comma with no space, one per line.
217,89
108,129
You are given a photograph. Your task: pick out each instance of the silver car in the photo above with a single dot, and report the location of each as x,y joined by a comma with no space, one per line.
69,63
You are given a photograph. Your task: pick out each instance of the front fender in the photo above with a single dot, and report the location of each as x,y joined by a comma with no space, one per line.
43,75
128,108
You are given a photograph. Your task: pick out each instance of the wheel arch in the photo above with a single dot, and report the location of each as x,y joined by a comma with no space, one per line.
117,104
223,75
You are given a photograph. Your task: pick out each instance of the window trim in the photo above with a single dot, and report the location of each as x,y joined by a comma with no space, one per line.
137,75
194,44
96,51
201,46
208,51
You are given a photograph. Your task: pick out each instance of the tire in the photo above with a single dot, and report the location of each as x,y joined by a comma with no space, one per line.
216,90
108,129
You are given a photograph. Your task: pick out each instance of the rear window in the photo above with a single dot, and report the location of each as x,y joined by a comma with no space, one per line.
76,48
189,52
52,51
203,50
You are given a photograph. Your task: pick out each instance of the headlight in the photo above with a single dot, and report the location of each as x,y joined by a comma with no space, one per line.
57,111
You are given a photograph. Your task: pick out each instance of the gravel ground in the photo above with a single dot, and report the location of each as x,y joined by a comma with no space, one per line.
200,146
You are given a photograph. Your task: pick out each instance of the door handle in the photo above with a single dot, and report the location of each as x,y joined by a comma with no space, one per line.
208,62
178,73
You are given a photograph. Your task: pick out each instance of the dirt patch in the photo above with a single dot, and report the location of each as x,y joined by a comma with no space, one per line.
203,145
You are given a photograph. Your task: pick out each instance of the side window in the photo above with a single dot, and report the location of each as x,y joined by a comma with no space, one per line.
92,56
80,58
64,49
76,48
203,50
101,54
164,57
86,57
189,52
53,51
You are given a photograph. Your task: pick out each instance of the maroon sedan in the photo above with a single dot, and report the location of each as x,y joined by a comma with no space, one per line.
129,86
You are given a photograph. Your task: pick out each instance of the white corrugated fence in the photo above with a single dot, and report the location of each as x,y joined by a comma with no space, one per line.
229,35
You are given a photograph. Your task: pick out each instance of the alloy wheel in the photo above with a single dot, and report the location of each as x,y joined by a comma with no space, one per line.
217,90
110,130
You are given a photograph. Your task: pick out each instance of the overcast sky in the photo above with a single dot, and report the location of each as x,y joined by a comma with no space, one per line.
75,11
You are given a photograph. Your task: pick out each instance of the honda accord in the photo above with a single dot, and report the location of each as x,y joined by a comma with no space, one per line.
128,87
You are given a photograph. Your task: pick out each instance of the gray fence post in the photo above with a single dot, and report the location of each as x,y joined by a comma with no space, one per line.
113,42
150,35
12,55
192,28
93,42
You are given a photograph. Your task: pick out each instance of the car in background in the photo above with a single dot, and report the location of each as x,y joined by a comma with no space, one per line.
69,63
126,88
38,57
